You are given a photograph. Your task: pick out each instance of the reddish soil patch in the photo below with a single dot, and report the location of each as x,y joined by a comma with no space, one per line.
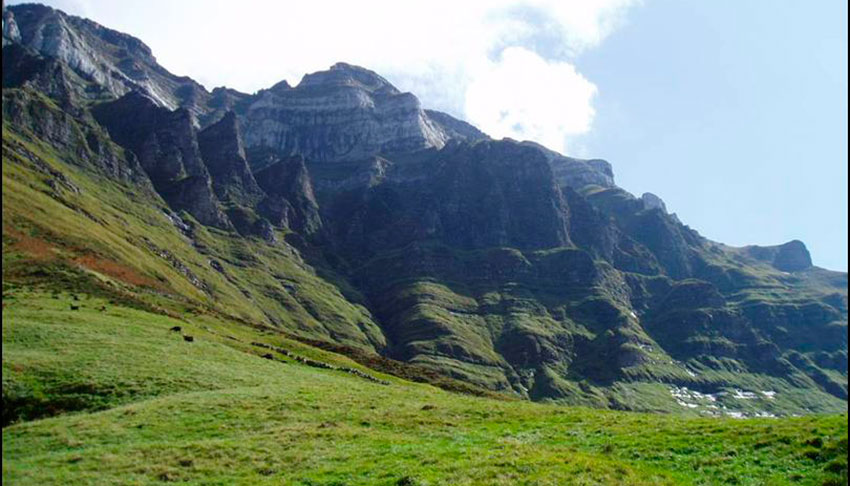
37,248
114,269
41,250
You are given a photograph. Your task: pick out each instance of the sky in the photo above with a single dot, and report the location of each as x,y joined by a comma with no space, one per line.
733,111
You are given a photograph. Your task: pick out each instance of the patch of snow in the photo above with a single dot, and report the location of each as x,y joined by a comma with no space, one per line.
708,404
744,395
763,414
684,392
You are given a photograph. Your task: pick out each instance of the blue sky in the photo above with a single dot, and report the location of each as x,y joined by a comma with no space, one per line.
734,112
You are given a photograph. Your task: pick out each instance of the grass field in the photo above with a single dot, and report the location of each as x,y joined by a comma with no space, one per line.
137,404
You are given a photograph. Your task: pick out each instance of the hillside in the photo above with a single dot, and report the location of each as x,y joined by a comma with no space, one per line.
340,210
327,284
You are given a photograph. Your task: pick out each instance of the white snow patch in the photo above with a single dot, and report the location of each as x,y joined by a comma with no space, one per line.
684,392
708,403
763,414
744,395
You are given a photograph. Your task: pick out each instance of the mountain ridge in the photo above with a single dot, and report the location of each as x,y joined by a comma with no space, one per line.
499,263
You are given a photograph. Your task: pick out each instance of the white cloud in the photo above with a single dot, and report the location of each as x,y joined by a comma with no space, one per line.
523,96
437,49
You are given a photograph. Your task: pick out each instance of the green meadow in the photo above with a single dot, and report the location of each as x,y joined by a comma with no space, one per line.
135,403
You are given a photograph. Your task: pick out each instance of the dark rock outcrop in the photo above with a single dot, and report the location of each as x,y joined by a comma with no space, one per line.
290,202
224,156
651,201
23,67
792,256
165,143
676,247
577,173
788,257
79,135
488,194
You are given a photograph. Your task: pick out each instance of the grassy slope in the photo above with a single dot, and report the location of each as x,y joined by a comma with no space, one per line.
214,412
460,307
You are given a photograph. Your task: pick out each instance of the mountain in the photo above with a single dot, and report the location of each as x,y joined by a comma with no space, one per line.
342,212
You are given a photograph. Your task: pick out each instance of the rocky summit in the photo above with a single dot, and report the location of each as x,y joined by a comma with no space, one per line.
343,213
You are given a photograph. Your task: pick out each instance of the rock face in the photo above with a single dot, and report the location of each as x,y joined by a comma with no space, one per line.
23,67
222,100
194,195
11,33
290,202
116,62
577,173
90,145
224,156
165,143
488,194
792,256
789,257
501,263
344,113
456,129
651,201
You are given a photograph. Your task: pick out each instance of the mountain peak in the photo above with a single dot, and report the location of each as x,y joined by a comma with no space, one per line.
228,120
115,61
41,24
788,257
792,256
344,74
280,87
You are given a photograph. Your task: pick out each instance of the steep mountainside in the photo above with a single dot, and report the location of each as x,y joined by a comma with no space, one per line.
340,210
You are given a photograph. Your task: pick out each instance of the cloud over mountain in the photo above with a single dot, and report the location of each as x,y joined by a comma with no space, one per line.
492,63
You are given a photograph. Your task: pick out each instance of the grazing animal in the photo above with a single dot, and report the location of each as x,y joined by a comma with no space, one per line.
75,307
188,339
175,329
